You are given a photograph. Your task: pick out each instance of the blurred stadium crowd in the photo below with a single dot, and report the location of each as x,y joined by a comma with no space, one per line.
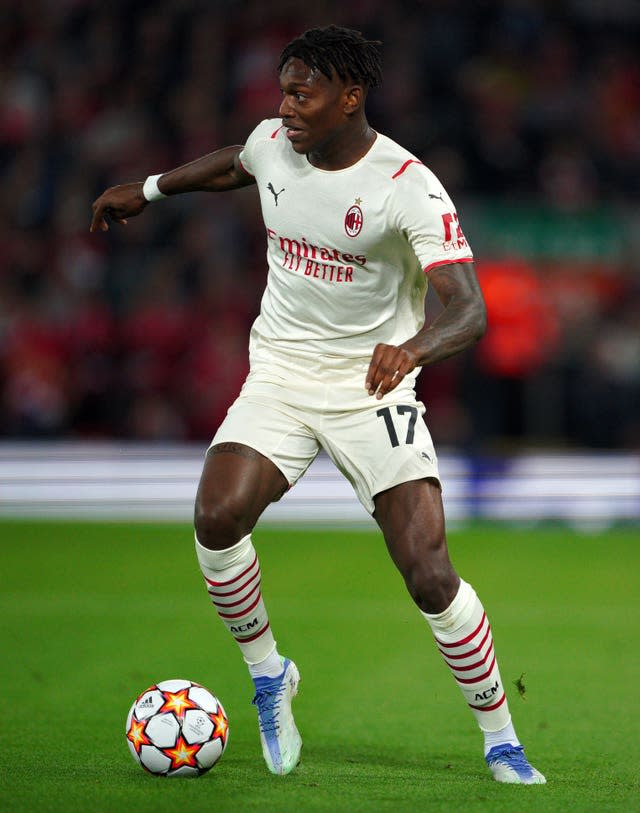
529,112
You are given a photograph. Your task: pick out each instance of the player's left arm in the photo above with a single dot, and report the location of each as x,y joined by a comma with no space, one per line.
460,325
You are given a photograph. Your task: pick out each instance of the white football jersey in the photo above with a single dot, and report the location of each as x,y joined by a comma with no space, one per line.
348,250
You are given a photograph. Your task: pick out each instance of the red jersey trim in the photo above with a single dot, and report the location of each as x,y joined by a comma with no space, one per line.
429,267
404,166
275,132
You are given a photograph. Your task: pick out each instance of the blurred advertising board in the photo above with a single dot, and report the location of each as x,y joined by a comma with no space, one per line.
113,481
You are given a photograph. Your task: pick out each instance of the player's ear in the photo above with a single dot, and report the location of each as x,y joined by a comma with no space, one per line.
354,96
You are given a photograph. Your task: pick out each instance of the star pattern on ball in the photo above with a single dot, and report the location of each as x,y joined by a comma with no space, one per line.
182,754
221,724
136,734
177,702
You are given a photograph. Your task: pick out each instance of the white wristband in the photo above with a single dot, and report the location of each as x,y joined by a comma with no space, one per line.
150,188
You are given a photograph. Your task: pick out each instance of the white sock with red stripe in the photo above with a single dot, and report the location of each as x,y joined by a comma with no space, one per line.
463,635
233,577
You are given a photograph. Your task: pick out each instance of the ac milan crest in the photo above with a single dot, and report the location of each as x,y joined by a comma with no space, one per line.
353,221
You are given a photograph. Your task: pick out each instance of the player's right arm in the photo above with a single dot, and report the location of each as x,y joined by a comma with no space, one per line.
218,171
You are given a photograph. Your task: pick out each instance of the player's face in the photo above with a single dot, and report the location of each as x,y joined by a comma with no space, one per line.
314,110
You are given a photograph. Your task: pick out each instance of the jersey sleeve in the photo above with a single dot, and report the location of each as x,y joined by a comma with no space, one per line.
267,129
428,218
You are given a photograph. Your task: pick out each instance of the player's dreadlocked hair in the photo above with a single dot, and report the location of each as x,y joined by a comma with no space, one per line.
337,49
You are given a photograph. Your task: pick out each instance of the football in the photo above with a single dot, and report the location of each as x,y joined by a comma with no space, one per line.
177,728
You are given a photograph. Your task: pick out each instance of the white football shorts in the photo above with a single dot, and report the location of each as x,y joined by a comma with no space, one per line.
290,407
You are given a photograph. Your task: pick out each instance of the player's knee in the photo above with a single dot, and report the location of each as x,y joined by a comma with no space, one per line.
219,524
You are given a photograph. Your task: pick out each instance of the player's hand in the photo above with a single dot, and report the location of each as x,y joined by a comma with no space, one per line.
389,365
118,203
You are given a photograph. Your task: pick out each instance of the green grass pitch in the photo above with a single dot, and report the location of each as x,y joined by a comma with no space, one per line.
92,613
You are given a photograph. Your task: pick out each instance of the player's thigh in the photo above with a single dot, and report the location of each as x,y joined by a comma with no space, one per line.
411,518
260,450
236,485
382,446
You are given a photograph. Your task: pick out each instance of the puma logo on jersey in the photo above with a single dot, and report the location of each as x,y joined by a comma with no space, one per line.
436,197
275,194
